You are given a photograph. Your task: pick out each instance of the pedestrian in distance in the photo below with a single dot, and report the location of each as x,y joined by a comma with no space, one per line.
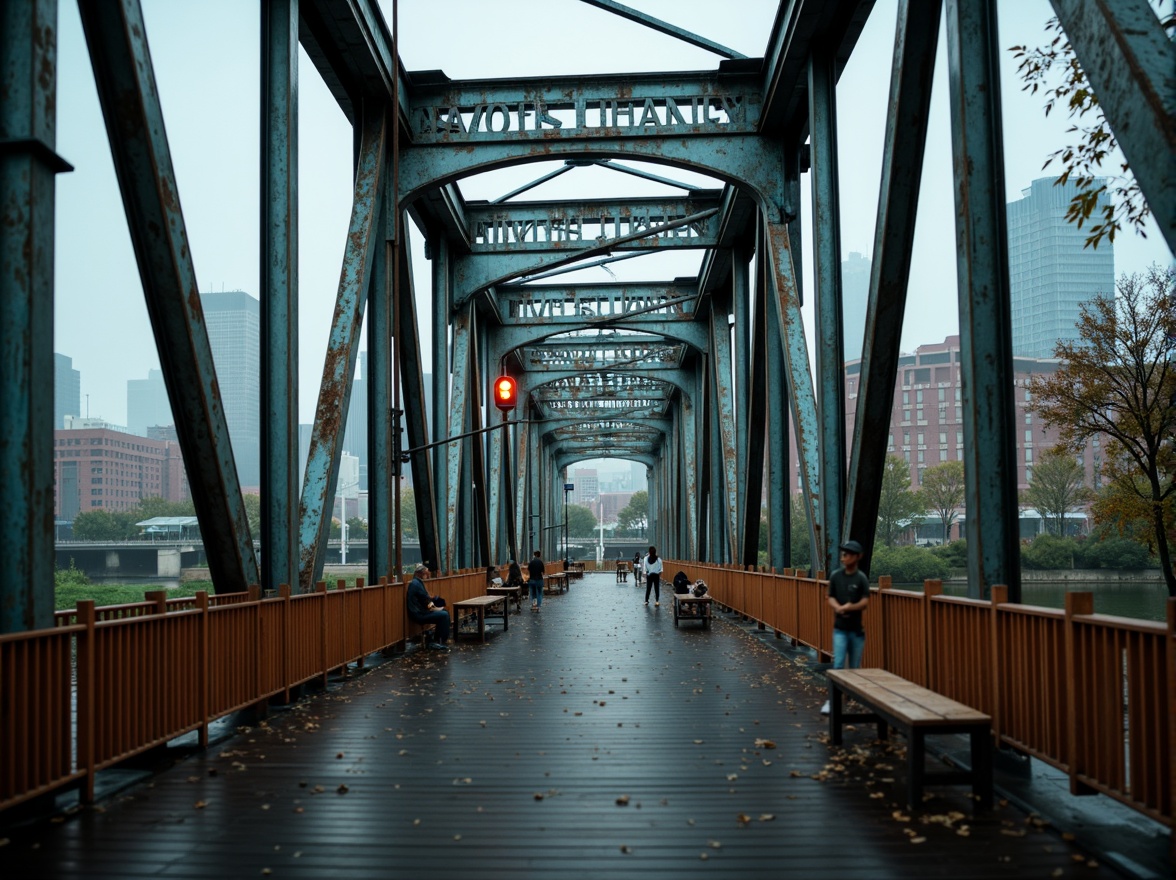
425,608
849,591
536,569
514,575
653,570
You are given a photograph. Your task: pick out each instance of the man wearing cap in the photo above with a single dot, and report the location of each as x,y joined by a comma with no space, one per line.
849,591
424,608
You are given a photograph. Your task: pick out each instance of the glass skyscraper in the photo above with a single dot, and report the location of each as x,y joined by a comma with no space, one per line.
233,319
67,390
1050,271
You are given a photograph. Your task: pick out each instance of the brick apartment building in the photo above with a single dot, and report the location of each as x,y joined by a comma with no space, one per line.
103,469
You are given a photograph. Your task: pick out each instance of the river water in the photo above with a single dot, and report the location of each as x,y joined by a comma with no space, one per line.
1144,600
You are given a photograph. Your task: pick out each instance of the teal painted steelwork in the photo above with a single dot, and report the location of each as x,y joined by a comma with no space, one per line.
383,437
986,367
462,330
28,166
894,230
439,250
828,318
326,441
725,423
117,39
279,292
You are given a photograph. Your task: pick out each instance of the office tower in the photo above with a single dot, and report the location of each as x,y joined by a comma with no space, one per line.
855,294
233,321
355,434
97,467
67,390
587,485
1051,272
147,404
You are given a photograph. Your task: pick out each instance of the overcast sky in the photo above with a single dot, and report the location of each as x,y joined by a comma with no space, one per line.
206,62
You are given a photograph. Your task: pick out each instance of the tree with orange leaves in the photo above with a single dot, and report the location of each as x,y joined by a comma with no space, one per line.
1118,382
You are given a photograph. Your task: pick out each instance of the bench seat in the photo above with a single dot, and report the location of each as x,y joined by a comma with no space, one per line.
482,607
691,607
915,711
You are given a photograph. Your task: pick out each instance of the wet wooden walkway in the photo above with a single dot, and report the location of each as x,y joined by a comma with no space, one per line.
592,738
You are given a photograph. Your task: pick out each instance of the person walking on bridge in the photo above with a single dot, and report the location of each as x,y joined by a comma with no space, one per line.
653,570
849,591
536,569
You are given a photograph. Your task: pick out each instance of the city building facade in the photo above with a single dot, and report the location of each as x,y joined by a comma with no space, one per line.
233,319
1051,270
97,468
67,390
147,404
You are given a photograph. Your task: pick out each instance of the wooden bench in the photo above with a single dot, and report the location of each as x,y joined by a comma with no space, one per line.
555,583
512,594
916,712
419,631
689,607
481,607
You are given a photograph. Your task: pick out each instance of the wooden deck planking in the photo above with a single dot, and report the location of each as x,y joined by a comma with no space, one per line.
597,698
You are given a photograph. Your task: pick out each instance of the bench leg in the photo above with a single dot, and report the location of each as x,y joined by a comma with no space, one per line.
835,714
916,768
982,767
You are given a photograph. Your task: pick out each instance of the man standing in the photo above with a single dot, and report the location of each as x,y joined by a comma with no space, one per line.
849,591
424,608
535,570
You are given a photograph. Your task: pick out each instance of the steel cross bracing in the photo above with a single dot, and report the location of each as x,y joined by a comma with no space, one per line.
699,378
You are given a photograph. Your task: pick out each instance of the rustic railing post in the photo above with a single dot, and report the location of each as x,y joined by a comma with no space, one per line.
258,646
284,592
204,681
88,618
359,621
321,589
1076,604
931,589
879,618
159,597
998,597
255,592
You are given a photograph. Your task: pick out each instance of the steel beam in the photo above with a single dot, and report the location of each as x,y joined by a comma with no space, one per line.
1129,62
801,398
28,165
326,440
727,442
440,251
462,331
740,356
756,401
117,38
828,325
688,425
693,333
383,444
902,164
777,398
589,303
664,27
279,292
986,369
753,163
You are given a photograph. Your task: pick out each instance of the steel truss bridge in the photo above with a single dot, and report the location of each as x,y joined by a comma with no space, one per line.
698,378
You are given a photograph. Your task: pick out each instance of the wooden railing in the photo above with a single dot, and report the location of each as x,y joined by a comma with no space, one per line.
1090,694
108,683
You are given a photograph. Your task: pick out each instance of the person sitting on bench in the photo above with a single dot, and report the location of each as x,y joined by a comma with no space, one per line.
424,608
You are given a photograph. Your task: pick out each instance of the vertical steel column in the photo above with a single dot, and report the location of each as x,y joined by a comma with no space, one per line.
478,497
830,334
457,424
522,531
720,345
720,545
902,165
439,249
753,449
117,38
689,424
985,326
800,383
494,477
279,292
702,414
326,440
28,165
416,418
383,445
741,360
509,484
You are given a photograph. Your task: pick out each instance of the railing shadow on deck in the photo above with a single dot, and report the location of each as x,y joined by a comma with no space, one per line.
1090,694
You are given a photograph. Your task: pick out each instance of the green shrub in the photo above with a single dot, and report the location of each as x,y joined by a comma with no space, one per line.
1119,553
954,554
1048,553
907,565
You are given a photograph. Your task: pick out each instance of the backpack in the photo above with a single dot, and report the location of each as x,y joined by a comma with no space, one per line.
681,583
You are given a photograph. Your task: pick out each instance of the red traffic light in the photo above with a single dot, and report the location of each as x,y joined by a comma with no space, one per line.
506,393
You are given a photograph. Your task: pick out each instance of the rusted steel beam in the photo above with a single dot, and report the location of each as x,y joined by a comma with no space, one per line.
596,303
383,442
479,496
829,328
1129,63
902,164
416,420
801,397
439,250
692,333
740,358
755,398
986,369
688,426
725,413
664,27
28,167
462,330
322,463
279,292
117,38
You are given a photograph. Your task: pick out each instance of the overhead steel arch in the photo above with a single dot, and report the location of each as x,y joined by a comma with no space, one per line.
692,333
668,378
